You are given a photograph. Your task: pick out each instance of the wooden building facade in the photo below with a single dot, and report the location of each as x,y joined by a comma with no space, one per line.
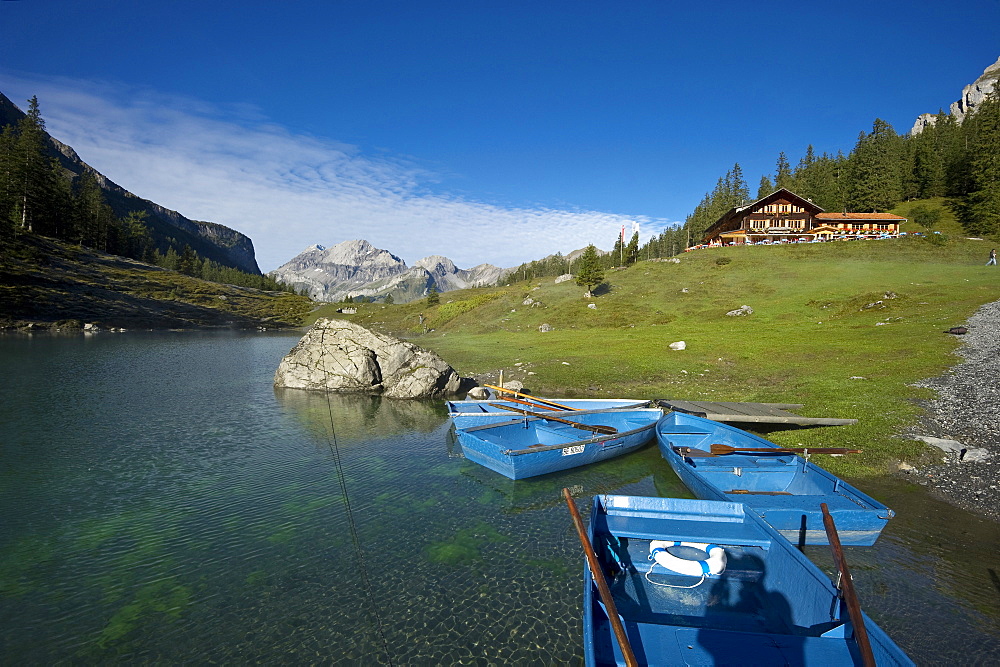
783,216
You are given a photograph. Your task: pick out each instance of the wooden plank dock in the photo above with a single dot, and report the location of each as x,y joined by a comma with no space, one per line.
755,413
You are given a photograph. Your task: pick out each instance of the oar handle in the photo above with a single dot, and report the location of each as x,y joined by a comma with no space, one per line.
602,585
728,449
532,404
593,428
534,398
847,589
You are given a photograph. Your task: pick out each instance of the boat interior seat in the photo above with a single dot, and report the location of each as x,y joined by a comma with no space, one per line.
696,646
722,532
757,463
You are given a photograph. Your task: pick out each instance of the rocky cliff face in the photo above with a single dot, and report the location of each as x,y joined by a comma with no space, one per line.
357,268
218,243
972,95
447,276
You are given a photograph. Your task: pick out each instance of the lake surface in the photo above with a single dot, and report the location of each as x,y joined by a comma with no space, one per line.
161,502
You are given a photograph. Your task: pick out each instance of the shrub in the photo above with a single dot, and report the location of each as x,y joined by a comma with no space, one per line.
936,239
722,261
925,216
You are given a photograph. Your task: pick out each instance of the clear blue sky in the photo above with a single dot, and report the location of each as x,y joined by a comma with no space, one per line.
485,131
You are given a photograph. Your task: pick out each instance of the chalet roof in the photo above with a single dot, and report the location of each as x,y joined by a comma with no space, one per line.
858,216
787,195
780,193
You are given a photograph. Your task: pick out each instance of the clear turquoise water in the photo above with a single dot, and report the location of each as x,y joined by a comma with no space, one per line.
161,502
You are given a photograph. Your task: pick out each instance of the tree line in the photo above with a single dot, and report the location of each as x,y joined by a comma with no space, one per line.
957,161
40,196
667,243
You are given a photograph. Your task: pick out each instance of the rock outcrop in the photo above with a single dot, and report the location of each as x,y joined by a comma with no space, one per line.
972,96
340,356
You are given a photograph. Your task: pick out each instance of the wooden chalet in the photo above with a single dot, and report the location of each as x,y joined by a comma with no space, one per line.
783,216
862,224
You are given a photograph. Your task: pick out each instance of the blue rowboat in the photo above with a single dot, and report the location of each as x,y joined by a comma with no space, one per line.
785,489
473,413
761,601
528,446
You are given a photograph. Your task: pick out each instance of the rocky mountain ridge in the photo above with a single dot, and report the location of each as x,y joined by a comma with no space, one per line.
972,95
210,240
357,268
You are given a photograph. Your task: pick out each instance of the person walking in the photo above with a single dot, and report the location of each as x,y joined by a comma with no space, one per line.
993,258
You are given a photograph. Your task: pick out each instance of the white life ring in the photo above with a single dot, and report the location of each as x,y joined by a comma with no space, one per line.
715,563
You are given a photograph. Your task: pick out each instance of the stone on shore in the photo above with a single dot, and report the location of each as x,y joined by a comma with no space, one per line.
742,311
340,356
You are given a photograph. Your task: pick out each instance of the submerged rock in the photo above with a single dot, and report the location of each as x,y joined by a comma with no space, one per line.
340,356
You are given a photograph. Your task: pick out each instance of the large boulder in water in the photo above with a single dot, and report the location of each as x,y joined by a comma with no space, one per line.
336,355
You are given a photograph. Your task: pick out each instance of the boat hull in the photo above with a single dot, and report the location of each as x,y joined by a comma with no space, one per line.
473,413
529,447
769,606
785,490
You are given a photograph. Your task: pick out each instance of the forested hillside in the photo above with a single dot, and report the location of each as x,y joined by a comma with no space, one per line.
960,162
40,195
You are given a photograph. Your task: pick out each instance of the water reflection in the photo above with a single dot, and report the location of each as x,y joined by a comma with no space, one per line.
157,487
534,493
359,417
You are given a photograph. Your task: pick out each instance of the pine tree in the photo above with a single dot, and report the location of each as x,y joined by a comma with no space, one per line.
765,188
433,298
31,169
873,179
8,143
58,205
590,273
632,250
979,210
737,191
136,236
928,171
783,173
388,300
187,262
617,256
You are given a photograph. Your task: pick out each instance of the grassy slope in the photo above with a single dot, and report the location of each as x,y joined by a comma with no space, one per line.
49,283
810,333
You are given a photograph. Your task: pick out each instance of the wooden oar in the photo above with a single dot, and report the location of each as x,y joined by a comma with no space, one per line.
719,450
847,589
593,428
533,404
602,584
534,398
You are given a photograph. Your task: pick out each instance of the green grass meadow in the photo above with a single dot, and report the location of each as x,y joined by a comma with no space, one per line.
844,328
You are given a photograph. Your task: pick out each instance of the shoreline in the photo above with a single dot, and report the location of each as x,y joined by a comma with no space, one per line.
966,410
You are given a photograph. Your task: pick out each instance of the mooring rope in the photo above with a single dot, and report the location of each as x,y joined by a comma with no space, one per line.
355,537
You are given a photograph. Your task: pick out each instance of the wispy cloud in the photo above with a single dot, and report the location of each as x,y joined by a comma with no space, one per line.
288,191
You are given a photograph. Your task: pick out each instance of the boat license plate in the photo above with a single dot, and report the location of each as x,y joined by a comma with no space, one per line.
575,449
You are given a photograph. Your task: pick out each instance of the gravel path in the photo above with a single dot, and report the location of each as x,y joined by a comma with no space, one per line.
966,416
